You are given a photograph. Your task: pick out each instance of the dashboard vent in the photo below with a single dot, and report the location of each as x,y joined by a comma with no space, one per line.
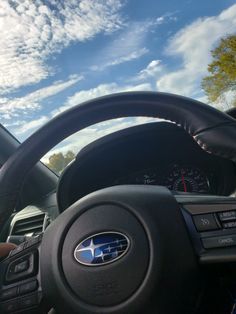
30,226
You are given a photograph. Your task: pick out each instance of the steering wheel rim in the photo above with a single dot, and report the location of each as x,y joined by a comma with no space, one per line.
213,130
204,123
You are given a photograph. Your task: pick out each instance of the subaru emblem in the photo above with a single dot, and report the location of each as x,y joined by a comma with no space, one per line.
102,248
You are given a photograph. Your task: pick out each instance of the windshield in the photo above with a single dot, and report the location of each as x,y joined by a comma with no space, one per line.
55,54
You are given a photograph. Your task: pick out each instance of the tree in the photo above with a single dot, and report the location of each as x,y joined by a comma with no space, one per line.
69,156
222,69
57,162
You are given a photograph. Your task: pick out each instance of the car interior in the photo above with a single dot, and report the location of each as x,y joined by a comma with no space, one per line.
163,192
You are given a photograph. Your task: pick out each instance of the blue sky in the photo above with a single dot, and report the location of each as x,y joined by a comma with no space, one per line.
55,54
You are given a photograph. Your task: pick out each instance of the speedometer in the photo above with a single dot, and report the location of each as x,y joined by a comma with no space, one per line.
187,179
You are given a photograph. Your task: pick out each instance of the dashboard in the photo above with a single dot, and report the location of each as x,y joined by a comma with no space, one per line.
159,153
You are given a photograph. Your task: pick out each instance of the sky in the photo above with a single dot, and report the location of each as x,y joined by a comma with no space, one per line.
55,54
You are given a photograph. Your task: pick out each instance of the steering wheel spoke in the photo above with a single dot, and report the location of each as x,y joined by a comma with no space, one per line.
211,222
20,289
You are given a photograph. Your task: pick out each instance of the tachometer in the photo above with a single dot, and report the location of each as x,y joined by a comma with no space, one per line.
187,179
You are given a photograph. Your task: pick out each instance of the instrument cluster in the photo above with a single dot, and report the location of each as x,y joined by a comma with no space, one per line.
160,154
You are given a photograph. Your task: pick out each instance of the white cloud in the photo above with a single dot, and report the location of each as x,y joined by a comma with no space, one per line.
121,59
100,90
129,45
167,17
32,31
31,102
152,69
160,20
32,125
192,45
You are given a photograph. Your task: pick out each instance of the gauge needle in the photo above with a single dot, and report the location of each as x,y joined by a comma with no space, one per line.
183,181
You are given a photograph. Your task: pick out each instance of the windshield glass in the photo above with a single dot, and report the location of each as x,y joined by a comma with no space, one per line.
55,54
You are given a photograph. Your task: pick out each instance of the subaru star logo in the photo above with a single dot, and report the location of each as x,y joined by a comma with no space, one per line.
102,248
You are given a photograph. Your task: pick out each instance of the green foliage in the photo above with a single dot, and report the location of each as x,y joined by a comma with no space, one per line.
57,162
222,70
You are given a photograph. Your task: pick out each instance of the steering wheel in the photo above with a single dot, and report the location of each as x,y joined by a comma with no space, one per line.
123,249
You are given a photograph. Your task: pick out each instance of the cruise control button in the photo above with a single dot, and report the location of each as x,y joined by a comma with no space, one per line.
205,222
21,267
231,224
226,216
217,242
8,294
28,287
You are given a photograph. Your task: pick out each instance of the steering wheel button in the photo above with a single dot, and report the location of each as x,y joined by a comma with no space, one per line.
32,241
17,250
21,267
9,307
28,287
217,242
205,222
28,301
230,224
229,215
8,294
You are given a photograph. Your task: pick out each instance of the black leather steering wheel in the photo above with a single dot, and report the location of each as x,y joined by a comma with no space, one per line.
159,270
